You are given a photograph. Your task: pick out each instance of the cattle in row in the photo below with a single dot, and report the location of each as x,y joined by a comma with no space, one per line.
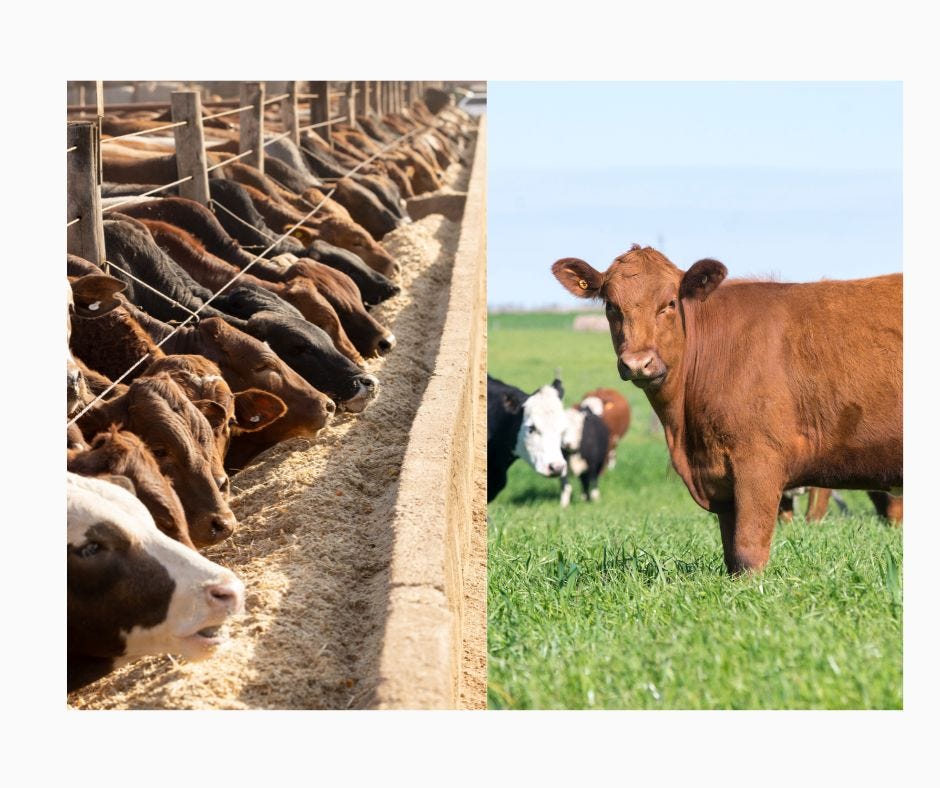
523,425
132,590
169,293
126,335
760,386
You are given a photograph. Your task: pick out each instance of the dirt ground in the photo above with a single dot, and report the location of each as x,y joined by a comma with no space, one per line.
314,542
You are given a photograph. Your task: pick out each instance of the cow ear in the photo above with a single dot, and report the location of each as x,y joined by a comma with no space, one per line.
703,277
556,384
120,481
511,401
215,414
94,294
578,277
256,409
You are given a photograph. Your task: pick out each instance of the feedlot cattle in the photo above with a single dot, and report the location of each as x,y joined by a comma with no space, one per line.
164,403
760,386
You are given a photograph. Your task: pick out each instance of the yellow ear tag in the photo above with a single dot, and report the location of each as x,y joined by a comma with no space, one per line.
582,284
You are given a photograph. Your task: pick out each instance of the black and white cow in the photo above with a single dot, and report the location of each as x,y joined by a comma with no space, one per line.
522,425
134,591
584,445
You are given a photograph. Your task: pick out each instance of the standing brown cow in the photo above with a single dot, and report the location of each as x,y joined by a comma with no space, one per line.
760,386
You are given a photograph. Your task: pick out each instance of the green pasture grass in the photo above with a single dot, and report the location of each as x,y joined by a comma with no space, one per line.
625,603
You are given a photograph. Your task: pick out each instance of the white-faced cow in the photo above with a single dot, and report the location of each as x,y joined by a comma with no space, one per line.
133,591
760,386
522,425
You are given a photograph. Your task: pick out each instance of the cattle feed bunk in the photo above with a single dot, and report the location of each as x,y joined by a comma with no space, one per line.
363,550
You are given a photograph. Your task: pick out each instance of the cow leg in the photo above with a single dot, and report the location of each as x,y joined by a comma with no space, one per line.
565,490
585,486
785,510
611,459
595,493
747,530
818,503
887,506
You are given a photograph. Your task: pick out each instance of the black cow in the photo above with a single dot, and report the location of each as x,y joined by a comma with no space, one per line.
249,229
584,444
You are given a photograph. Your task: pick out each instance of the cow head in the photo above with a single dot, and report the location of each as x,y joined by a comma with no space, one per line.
248,363
228,413
177,433
92,295
133,591
123,454
642,291
538,441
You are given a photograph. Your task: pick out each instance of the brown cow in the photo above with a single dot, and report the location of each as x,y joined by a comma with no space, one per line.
614,411
247,411
157,410
760,386
119,453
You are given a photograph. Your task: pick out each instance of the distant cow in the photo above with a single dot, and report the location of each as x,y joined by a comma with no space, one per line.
522,425
133,591
760,386
585,444
614,409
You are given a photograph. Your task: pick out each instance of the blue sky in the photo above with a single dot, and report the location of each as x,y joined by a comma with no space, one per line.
795,180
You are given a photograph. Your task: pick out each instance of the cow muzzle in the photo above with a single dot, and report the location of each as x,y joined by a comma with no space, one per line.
646,369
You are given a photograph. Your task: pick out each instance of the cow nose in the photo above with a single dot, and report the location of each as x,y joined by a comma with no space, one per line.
556,468
641,365
222,483
228,595
221,527
386,344
330,407
367,380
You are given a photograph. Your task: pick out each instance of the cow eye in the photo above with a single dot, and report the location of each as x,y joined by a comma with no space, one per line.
160,453
232,421
88,549
532,428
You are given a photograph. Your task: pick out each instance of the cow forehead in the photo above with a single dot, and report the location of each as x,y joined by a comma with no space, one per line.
94,501
544,409
594,404
633,275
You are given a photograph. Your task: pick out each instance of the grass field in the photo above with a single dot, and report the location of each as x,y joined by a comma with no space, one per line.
625,603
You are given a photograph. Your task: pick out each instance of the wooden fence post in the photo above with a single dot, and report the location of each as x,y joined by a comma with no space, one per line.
251,124
85,238
289,113
190,145
351,103
362,99
320,108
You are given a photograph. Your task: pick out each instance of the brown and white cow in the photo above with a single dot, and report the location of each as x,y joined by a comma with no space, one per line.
760,386
133,591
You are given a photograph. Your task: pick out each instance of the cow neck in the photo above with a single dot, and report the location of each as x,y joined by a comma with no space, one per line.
669,403
157,330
